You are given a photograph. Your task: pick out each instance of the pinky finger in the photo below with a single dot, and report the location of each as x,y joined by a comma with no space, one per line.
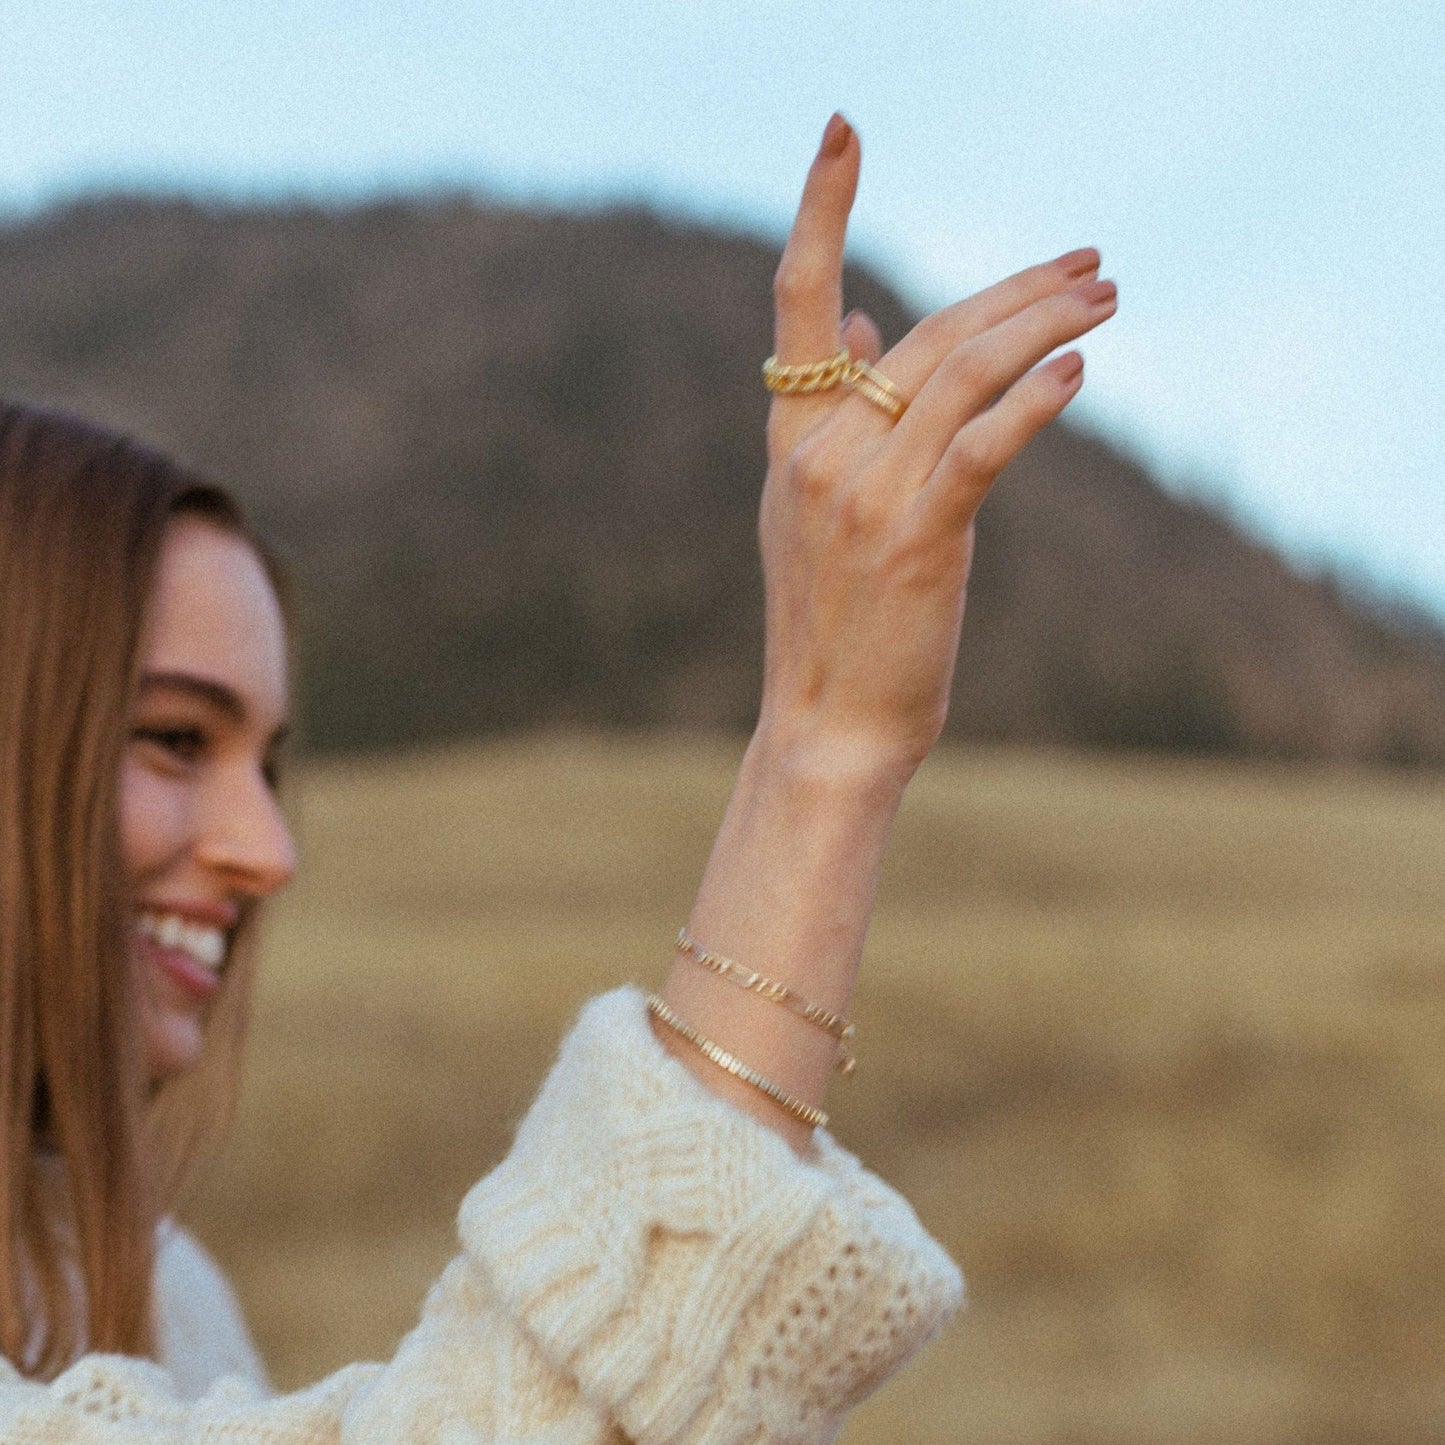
988,443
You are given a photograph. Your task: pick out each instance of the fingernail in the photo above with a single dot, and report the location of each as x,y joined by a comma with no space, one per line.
848,318
1097,292
1069,365
835,137
1079,263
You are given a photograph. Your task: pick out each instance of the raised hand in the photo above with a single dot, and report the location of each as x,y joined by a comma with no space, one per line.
866,524
867,535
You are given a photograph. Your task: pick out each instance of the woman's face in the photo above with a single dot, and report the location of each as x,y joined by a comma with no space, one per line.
201,833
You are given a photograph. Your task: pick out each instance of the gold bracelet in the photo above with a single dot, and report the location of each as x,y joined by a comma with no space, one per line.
815,1118
750,979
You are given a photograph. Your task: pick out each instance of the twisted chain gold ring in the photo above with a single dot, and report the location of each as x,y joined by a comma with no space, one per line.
805,378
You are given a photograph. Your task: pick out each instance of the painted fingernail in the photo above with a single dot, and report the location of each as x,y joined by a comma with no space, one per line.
1079,263
1068,366
835,137
1096,293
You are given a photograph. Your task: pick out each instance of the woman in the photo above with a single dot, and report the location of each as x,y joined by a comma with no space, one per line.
674,1249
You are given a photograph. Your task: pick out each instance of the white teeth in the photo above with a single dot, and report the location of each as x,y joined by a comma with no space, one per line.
204,944
209,945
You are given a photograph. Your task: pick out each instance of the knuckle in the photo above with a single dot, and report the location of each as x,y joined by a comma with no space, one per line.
973,456
967,368
797,280
812,469
860,517
1042,400
1032,403
1050,319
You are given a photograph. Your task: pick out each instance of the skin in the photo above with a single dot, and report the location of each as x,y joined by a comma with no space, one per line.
200,824
867,534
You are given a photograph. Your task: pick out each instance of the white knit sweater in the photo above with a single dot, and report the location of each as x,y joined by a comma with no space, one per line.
647,1264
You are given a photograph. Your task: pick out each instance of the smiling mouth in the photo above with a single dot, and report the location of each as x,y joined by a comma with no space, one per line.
203,944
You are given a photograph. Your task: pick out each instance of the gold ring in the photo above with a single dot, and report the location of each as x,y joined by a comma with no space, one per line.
806,378
869,382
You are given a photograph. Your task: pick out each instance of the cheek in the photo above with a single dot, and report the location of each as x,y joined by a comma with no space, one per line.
154,821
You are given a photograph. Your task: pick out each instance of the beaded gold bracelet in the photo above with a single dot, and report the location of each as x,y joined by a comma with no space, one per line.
825,1019
813,1117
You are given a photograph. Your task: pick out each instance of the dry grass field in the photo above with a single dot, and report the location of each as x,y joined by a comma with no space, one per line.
1156,1048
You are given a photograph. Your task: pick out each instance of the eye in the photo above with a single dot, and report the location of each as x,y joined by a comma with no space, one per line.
184,743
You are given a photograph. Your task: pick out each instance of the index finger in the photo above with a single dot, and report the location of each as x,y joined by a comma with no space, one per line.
808,288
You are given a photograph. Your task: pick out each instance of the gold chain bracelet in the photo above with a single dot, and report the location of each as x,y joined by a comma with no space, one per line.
813,1117
825,1019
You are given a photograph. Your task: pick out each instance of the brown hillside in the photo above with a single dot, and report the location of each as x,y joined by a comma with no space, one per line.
515,457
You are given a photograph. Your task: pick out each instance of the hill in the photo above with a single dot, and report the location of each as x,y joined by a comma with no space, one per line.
514,459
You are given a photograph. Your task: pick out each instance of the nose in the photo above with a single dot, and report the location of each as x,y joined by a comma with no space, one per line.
245,836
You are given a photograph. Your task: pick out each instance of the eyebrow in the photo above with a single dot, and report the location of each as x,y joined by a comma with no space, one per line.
224,699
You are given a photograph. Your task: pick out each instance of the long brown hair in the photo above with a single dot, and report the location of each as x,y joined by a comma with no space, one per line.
89,1159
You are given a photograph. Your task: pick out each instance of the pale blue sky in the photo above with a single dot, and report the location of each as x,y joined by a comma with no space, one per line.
1266,180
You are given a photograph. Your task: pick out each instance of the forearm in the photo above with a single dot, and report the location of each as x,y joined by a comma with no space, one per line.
788,891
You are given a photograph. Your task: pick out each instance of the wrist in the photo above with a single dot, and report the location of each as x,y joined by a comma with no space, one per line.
803,757
787,892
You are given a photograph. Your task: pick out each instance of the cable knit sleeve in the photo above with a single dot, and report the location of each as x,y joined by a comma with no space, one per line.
675,1257
647,1264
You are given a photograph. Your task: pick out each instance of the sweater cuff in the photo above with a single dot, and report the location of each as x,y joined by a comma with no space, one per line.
677,1259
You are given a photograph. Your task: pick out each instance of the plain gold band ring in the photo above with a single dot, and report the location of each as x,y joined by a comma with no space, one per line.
806,378
869,382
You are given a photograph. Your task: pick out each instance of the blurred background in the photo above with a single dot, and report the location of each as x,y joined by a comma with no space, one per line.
467,302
